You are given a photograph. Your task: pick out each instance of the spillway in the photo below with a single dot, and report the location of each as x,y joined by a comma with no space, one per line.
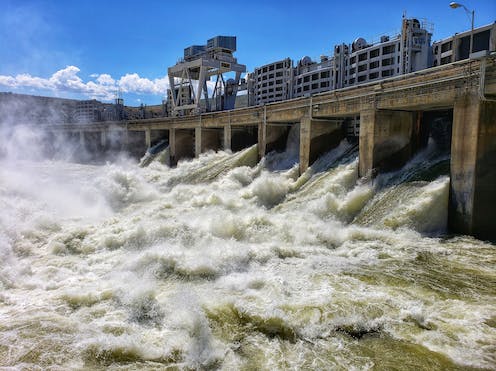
228,263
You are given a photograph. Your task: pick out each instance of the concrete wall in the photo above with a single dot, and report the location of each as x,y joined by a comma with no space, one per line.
473,168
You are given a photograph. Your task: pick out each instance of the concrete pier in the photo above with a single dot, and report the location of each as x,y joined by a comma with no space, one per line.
226,144
384,142
473,168
272,137
317,136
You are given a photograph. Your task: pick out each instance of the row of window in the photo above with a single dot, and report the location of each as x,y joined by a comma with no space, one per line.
314,77
269,83
371,76
322,85
270,76
388,49
270,67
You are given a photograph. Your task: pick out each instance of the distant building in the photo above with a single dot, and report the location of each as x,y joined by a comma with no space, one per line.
273,82
30,109
88,111
456,48
114,112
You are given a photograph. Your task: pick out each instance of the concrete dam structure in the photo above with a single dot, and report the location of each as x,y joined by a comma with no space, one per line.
396,117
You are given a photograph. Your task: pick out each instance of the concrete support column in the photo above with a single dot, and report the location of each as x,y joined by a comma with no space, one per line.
262,138
198,141
103,139
172,146
385,140
472,205
82,140
317,136
227,137
125,142
305,140
148,138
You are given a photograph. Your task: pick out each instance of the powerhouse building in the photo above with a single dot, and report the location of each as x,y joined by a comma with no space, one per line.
457,47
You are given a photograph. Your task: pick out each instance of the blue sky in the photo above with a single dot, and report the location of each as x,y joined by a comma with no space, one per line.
85,49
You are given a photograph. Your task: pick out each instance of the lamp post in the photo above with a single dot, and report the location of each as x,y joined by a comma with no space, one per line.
454,5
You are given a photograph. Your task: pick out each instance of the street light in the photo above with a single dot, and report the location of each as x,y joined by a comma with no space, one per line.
454,5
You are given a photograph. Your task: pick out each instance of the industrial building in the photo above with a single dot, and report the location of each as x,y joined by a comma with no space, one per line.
456,48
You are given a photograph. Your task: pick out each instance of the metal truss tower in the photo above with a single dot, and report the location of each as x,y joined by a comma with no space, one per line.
188,78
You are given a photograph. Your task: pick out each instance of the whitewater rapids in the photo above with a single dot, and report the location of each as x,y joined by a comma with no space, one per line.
226,263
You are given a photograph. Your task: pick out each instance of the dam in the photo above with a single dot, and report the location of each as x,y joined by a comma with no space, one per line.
395,116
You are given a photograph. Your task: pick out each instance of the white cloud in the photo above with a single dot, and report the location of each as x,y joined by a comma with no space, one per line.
103,86
105,79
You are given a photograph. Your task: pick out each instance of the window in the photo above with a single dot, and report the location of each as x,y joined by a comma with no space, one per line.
324,74
271,67
279,65
315,76
389,49
352,71
362,57
446,59
387,73
315,86
362,67
446,46
374,53
374,65
373,75
352,59
279,74
324,84
306,79
387,61
362,78
306,88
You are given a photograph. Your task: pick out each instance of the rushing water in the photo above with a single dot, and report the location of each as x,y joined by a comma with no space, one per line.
223,263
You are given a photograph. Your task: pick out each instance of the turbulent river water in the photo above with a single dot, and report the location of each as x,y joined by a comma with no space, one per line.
226,263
